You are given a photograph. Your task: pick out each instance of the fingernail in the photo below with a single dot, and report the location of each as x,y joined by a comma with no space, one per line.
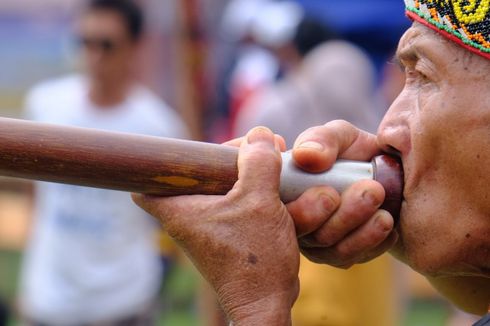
369,196
384,223
260,134
328,203
312,145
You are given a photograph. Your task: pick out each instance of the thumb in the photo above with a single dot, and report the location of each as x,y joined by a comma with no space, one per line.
259,161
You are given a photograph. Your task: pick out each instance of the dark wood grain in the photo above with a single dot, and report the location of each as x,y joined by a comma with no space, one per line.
118,161
141,164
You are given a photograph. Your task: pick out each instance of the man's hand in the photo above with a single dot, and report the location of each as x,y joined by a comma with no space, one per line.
340,230
243,243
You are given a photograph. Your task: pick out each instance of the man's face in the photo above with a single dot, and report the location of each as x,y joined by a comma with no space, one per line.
107,48
440,125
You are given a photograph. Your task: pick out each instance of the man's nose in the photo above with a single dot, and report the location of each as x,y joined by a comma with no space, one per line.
394,130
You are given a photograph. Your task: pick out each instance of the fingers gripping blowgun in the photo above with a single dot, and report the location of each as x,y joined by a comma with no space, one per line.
160,166
384,169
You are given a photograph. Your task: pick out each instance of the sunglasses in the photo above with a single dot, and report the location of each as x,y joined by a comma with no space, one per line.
107,45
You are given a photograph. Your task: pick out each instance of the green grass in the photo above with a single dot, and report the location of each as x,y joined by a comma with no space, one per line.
9,271
178,298
427,313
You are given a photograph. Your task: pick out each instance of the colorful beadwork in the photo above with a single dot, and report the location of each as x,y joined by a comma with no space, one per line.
466,22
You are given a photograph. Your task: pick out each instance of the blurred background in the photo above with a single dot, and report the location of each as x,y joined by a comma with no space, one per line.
225,66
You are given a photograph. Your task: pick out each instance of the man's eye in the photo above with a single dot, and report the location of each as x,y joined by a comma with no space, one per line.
410,73
423,76
415,74
397,63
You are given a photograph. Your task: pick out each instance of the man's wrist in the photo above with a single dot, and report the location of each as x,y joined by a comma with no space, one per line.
273,311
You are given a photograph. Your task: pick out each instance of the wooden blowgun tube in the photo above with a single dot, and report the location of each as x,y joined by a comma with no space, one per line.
160,166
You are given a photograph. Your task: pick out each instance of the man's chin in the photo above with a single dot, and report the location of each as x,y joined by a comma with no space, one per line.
436,268
458,271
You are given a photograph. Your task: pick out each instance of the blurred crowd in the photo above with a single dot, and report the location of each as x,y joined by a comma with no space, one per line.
192,69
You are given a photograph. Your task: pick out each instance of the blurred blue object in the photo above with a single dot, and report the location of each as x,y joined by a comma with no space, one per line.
375,25
33,47
352,15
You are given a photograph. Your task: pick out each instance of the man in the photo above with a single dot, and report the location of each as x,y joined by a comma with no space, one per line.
319,90
92,258
245,244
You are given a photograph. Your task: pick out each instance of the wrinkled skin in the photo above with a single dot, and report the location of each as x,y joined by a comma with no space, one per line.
353,229
439,126
243,243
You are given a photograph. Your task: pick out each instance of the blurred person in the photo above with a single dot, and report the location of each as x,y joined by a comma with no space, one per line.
92,257
245,243
282,29
334,81
272,38
288,32
250,67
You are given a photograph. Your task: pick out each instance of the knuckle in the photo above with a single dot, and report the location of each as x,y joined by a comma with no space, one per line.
261,155
347,219
236,193
256,205
360,202
259,204
313,130
339,124
315,207
344,252
310,133
325,237
370,238
330,201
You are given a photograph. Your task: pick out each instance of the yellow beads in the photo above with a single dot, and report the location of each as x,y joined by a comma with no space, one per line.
471,13
466,22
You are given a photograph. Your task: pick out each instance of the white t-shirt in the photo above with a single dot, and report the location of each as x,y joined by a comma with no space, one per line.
92,255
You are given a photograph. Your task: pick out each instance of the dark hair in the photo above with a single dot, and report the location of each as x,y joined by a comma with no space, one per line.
129,11
310,33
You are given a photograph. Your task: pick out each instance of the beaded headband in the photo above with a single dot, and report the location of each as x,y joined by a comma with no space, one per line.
466,22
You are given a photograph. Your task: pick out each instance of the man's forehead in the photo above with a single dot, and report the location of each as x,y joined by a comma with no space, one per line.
421,41
408,39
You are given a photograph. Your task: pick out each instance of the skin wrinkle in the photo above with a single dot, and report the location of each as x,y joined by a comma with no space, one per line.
437,163
438,127
218,242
